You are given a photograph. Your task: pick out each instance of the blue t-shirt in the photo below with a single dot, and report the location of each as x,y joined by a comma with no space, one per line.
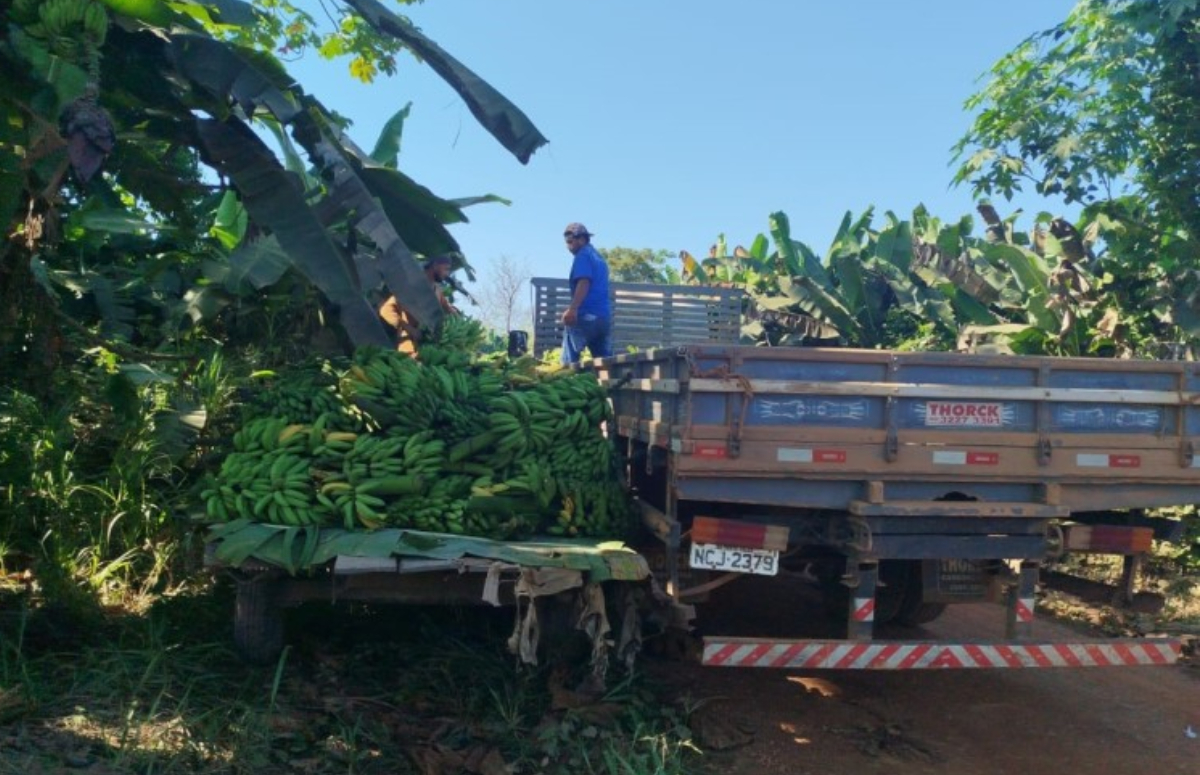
590,264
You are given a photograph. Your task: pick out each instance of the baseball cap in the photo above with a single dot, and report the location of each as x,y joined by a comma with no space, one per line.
576,230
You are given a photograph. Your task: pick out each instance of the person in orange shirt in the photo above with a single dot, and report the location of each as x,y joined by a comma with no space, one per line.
437,270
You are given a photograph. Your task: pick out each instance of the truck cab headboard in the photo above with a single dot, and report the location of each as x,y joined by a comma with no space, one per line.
645,315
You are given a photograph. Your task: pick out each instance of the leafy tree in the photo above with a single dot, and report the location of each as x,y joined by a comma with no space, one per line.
640,265
147,228
1078,111
1100,110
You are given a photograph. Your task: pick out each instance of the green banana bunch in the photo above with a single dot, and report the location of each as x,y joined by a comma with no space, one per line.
24,12
65,23
306,397
502,448
354,507
438,510
272,487
459,332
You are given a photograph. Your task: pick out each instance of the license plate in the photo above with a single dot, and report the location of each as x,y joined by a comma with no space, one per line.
761,562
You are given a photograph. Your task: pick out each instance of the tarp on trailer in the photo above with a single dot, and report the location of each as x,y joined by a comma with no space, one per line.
298,548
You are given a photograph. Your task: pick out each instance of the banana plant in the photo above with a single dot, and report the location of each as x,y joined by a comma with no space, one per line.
880,285
340,216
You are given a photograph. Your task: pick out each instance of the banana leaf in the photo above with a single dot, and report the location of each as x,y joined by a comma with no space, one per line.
396,262
494,111
275,202
292,161
204,303
116,315
416,210
850,233
387,147
155,13
471,201
914,298
1031,277
852,286
760,248
815,301
229,225
967,307
694,270
258,263
798,259
233,12
250,78
222,71
894,244
175,429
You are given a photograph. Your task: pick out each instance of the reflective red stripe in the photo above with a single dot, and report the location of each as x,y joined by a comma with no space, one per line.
722,655
1010,656
860,655
819,657
977,654
851,656
1124,653
790,653
946,659
758,652
884,655
1068,655
1156,656
914,657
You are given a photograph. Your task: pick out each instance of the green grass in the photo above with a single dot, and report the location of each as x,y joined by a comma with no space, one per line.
370,691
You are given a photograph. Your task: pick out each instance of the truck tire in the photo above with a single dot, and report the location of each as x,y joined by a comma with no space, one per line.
890,595
894,589
913,610
921,613
257,621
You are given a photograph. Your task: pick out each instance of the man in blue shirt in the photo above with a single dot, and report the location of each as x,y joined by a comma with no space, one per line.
588,319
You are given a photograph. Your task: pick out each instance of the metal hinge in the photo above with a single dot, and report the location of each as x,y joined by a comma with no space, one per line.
891,447
1044,451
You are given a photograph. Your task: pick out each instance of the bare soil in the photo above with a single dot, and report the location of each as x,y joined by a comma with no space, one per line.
967,722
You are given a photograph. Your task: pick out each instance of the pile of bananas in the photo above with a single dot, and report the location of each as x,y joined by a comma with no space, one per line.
501,448
306,395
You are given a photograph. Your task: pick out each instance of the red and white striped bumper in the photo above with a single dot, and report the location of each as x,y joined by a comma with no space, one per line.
899,655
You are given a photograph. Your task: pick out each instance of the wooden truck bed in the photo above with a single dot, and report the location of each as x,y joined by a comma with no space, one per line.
873,431
898,482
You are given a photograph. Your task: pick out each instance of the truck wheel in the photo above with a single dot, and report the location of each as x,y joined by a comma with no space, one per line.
914,610
894,588
257,621
921,613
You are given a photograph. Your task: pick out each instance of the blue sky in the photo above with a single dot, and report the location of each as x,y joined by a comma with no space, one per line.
671,122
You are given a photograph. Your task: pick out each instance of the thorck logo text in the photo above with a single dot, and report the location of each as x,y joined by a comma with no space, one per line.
963,413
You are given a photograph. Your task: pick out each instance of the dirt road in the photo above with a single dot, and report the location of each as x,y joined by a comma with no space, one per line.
967,722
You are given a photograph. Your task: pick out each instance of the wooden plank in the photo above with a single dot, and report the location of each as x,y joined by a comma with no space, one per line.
647,385
964,392
980,509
